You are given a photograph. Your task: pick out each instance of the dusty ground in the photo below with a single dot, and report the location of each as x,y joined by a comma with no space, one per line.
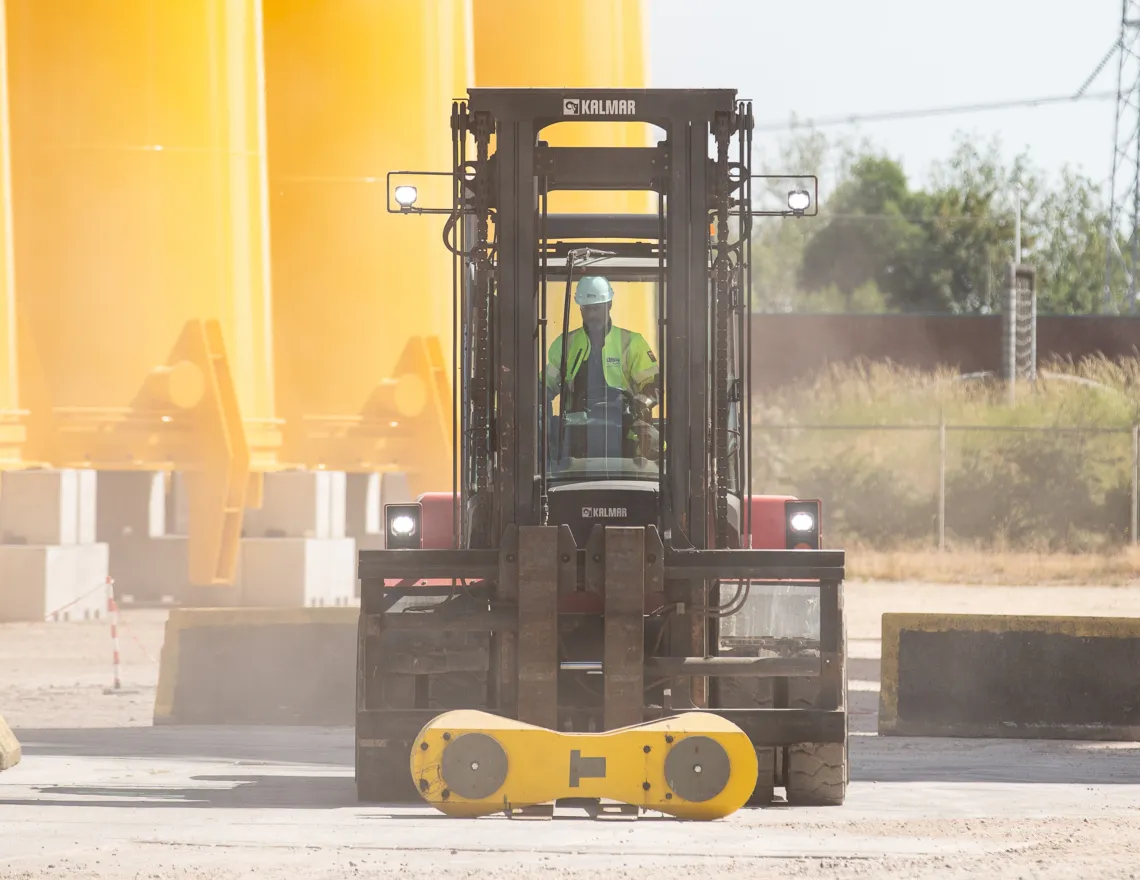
102,794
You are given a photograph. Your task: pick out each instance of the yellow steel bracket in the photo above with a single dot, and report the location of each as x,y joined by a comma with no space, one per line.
696,765
184,417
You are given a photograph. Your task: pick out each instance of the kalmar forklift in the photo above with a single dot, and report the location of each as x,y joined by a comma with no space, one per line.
577,577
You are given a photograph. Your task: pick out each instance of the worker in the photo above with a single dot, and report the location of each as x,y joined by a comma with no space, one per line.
602,356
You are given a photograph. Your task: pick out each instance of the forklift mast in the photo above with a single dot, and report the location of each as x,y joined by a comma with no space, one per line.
699,172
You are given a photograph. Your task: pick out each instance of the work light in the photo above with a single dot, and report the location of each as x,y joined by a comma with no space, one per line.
802,521
799,200
406,196
403,526
801,525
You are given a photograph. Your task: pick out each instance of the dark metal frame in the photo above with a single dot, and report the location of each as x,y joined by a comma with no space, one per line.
518,571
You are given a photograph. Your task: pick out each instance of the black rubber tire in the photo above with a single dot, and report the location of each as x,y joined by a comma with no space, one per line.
383,775
817,774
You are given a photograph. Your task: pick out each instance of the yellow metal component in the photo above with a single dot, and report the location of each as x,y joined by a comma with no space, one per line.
405,425
13,412
355,90
575,44
139,196
140,218
184,417
696,765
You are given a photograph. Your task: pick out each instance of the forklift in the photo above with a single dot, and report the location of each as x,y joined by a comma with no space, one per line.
578,576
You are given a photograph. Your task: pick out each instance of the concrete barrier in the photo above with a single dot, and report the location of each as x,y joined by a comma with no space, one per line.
10,751
258,666
981,675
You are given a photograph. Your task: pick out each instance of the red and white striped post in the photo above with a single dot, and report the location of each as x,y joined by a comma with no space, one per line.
113,612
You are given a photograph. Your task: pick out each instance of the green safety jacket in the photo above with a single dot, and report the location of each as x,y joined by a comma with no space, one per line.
627,360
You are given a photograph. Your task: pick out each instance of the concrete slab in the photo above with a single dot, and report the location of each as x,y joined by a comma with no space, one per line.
62,582
47,506
177,506
299,504
150,569
258,666
999,675
130,505
297,572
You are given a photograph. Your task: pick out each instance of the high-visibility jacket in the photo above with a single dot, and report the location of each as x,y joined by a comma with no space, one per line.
627,360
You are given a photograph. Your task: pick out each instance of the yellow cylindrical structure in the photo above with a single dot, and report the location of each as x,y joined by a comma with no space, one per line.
356,89
12,430
574,44
138,168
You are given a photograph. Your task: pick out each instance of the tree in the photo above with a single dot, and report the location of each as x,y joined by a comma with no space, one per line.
1070,255
881,244
968,216
867,238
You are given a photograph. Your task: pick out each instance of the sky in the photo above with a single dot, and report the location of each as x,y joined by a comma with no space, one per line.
829,58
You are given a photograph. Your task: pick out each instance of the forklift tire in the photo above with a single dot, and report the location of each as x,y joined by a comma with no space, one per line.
384,775
816,774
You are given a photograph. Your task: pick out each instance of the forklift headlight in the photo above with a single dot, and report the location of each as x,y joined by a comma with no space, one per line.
799,200
403,526
802,521
406,196
801,525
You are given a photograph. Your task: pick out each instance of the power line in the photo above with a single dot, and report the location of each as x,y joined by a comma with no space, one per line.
935,111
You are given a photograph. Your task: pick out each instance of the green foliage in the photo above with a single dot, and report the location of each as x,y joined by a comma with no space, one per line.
1065,484
940,247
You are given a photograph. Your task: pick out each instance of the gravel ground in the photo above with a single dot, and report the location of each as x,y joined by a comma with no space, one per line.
103,794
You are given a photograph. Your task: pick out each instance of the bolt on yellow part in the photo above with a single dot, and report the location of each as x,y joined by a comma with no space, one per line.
696,765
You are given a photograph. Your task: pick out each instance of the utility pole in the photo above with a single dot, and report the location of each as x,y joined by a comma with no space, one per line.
1124,215
1017,230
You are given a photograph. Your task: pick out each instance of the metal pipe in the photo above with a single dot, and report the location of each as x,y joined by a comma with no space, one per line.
581,665
942,482
1135,477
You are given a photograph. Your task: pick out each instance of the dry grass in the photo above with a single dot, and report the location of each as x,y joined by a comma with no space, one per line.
999,568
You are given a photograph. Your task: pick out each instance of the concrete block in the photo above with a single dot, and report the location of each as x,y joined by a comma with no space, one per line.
65,582
1018,676
150,569
10,751
47,506
177,506
88,514
362,503
300,504
258,666
131,504
297,572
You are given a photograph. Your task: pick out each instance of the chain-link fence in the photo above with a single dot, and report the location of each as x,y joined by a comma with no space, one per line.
925,485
